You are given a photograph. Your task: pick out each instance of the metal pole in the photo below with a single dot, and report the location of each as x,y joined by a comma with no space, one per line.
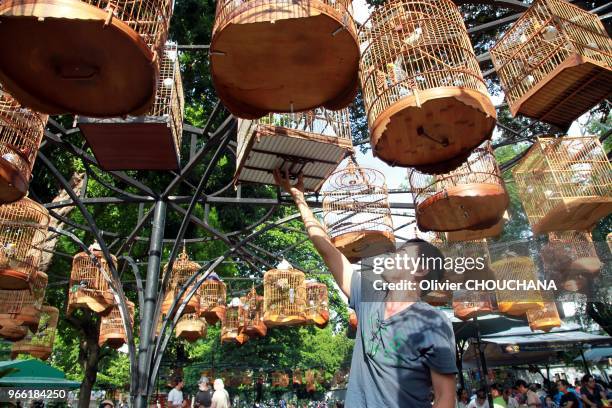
584,362
147,323
483,362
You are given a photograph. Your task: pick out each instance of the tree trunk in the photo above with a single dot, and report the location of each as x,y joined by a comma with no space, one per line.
89,357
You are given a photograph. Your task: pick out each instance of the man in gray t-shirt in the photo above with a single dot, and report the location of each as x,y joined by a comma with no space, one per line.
404,348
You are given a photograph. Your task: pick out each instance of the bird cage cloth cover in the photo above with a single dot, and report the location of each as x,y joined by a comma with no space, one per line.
148,142
212,300
317,304
284,297
252,315
88,284
426,100
565,183
544,319
39,343
472,197
356,212
23,230
233,322
555,62
22,307
21,131
191,327
182,270
284,56
95,58
312,143
112,330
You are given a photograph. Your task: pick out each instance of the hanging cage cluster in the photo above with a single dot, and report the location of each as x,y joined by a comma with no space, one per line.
555,62
20,309
112,330
564,183
212,300
284,297
182,269
88,286
317,304
356,212
39,343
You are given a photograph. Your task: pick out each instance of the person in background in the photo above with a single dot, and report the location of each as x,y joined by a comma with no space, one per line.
463,399
498,398
531,398
107,404
591,392
549,403
480,401
511,402
568,400
220,398
175,396
203,398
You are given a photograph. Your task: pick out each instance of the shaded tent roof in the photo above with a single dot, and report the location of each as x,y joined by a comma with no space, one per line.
596,355
520,346
34,374
488,324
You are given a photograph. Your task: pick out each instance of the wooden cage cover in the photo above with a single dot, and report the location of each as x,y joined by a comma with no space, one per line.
544,319
88,287
277,56
284,297
21,131
555,62
191,327
564,183
109,69
182,269
112,330
252,315
356,212
22,307
212,300
317,304
517,302
39,343
148,142
425,97
312,143
472,197
231,327
23,229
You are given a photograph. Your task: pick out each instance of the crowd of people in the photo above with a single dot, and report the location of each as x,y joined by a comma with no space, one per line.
584,393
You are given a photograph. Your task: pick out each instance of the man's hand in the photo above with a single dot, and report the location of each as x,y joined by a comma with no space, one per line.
296,190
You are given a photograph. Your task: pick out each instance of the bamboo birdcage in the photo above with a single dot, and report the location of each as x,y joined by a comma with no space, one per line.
88,287
297,377
555,62
22,307
474,235
312,143
23,229
21,131
252,314
317,304
425,97
231,327
472,197
571,259
280,379
565,183
544,319
110,68
191,327
468,304
284,296
148,142
39,344
312,377
284,56
212,300
112,331
182,269
516,302
356,212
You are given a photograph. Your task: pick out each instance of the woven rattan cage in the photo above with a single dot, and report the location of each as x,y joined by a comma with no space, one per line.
22,307
93,57
39,344
470,304
425,97
518,269
88,284
312,143
280,379
21,131
284,297
148,142
356,212
182,270
544,319
555,62
471,197
112,331
317,304
212,300
570,258
297,377
191,327
252,314
233,323
565,183
23,229
312,378
284,56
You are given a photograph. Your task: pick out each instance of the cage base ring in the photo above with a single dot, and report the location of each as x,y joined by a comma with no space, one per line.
13,186
11,279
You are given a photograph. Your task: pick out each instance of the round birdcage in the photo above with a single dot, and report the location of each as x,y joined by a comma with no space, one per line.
88,283
312,377
425,97
472,196
356,212
21,131
23,229
212,300
182,270
22,307
39,343
280,379
231,327
544,319
470,304
112,331
297,376
284,296
517,269
84,78
191,327
252,314
247,33
317,304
